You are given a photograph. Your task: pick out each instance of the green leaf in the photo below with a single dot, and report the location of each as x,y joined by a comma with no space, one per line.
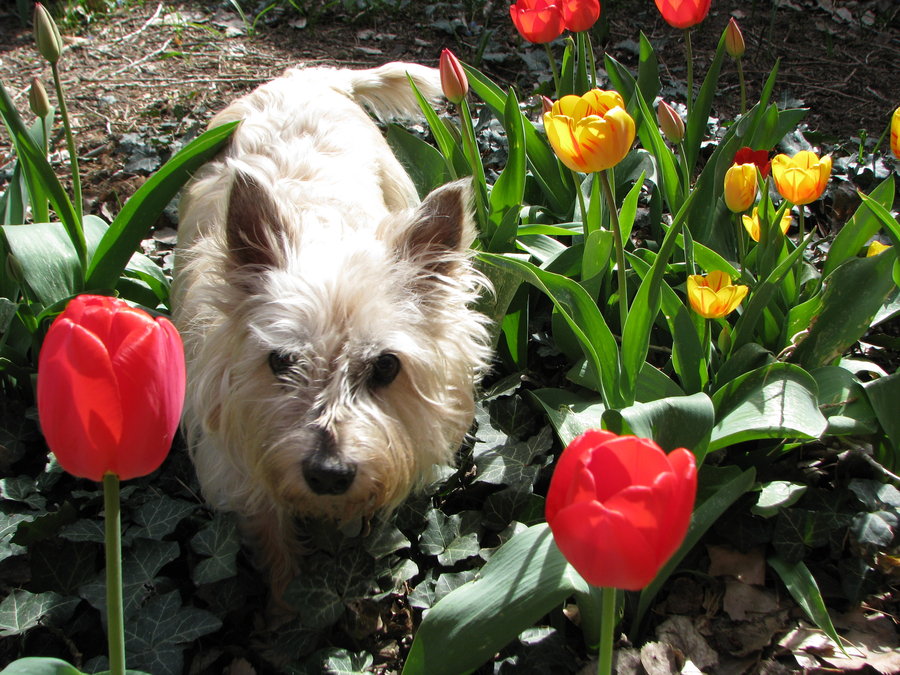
843,401
326,584
9,524
523,580
220,542
451,538
141,211
512,463
21,611
337,661
570,413
805,591
48,263
696,127
775,401
883,395
509,189
726,490
36,665
425,165
160,516
853,294
776,495
859,229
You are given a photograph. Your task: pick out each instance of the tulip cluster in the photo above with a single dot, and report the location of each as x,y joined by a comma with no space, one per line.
542,21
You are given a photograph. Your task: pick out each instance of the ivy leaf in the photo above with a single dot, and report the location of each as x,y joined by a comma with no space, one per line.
84,530
22,489
875,495
777,495
219,540
9,525
874,531
450,538
335,661
21,611
385,538
513,464
159,517
508,505
156,637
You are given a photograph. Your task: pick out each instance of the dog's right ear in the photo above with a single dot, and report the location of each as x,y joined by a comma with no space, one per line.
252,228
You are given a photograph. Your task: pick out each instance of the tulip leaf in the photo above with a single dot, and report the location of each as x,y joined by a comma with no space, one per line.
860,228
776,401
570,413
853,295
804,589
883,395
724,488
141,211
425,165
698,117
37,665
581,314
844,403
674,422
509,189
552,177
47,262
523,580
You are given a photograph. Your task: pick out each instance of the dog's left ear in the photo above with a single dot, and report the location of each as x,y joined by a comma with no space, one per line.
441,230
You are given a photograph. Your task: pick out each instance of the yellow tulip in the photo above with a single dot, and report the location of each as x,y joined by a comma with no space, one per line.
714,296
801,179
895,133
751,223
740,187
592,132
875,248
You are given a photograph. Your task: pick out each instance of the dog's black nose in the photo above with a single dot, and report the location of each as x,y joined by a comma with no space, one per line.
327,475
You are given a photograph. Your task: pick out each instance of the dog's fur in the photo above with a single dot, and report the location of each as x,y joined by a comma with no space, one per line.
307,271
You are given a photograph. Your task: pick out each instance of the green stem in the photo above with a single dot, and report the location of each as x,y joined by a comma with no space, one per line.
607,631
801,225
689,51
742,251
553,68
585,226
740,69
114,613
685,173
73,163
620,247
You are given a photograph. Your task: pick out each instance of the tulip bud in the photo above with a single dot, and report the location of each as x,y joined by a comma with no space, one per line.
37,99
453,78
670,122
734,40
875,248
46,34
895,133
546,104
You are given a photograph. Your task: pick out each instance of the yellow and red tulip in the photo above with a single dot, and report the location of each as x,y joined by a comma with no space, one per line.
714,296
801,179
740,187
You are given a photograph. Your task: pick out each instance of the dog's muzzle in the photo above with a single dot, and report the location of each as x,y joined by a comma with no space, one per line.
325,472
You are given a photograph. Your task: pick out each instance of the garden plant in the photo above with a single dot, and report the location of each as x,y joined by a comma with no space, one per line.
706,342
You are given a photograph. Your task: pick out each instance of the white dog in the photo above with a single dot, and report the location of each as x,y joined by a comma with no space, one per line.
332,348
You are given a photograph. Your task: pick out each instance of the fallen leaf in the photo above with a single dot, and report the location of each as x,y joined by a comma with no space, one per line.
748,567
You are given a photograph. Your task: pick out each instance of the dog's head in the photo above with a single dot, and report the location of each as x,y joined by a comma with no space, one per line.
344,363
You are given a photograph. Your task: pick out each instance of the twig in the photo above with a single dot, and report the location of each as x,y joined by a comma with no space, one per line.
144,59
139,30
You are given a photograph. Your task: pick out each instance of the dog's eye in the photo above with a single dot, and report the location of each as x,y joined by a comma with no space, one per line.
281,362
384,370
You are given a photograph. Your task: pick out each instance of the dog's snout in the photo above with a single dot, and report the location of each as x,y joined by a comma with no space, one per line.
327,474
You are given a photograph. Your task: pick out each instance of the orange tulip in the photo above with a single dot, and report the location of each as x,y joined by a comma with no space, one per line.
110,388
592,132
580,15
801,179
752,224
714,296
683,13
740,187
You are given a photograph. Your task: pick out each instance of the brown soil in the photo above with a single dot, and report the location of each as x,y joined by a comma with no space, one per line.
161,69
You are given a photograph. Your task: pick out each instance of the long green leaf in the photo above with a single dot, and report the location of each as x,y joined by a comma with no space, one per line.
143,208
860,228
523,580
509,189
696,127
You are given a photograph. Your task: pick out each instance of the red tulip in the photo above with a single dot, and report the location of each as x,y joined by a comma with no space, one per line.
454,82
538,20
580,15
758,157
619,507
683,13
110,388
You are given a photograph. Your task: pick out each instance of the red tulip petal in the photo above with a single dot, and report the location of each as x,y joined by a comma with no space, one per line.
568,464
625,461
604,547
78,399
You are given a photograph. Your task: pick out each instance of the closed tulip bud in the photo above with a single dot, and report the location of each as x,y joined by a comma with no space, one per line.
895,133
37,99
110,387
734,40
875,248
619,507
592,132
670,122
801,179
46,34
740,187
714,296
453,78
546,104
753,227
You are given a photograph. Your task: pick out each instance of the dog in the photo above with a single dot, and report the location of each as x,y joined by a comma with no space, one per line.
327,314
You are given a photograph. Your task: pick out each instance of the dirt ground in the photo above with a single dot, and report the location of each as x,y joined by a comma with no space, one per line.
141,80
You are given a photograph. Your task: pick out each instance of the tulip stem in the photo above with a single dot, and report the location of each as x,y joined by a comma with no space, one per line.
619,246
741,244
740,69
115,626
689,51
553,68
607,630
800,224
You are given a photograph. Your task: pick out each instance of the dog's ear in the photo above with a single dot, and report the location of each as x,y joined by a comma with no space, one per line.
252,226
441,230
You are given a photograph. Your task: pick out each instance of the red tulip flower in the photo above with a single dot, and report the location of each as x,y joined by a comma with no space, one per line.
758,157
580,15
110,388
454,82
538,21
619,507
683,13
